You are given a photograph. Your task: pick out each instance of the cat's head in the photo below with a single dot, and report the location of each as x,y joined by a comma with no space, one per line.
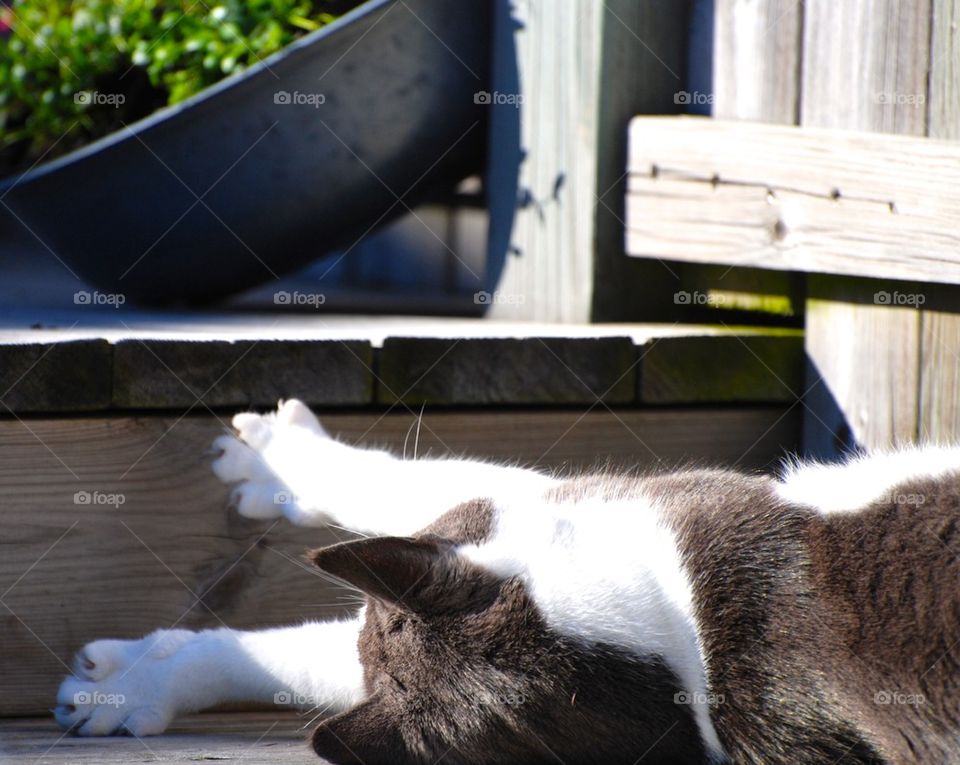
460,667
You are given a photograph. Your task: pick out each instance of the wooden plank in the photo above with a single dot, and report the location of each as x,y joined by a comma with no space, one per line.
555,178
263,737
543,169
72,571
150,366
156,374
863,358
61,377
944,106
781,197
699,370
869,70
444,363
643,64
939,409
756,66
548,371
867,65
939,377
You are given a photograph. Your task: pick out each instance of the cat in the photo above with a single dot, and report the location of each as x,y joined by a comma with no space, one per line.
515,616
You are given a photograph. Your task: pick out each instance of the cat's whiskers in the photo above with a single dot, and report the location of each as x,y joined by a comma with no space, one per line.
317,716
416,443
353,532
313,570
416,440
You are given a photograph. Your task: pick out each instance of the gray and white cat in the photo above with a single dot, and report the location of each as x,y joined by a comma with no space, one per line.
700,616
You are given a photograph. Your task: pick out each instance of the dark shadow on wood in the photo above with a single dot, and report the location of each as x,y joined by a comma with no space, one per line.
504,155
827,435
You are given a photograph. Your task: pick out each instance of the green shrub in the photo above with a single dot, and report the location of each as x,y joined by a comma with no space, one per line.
71,72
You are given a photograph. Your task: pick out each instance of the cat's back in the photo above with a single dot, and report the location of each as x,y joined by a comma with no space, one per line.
829,611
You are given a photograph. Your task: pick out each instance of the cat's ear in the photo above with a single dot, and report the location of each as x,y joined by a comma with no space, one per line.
393,569
363,735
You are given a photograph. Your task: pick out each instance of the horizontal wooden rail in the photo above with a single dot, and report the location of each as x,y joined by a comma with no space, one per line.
802,199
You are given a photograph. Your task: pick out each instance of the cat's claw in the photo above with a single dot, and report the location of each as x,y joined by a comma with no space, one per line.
238,462
250,460
121,686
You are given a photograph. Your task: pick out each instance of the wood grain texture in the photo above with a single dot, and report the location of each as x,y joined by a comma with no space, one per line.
545,226
944,98
150,547
263,737
840,202
756,64
865,356
555,179
872,62
867,65
939,411
170,553
939,416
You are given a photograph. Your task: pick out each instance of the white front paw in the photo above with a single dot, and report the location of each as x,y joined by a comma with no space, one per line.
263,460
121,686
258,493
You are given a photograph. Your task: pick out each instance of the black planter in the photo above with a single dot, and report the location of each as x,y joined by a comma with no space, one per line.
272,168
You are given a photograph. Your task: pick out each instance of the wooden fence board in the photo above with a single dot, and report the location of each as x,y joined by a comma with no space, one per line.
869,71
939,407
756,60
866,65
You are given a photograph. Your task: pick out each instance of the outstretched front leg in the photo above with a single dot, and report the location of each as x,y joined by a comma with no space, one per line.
286,464
140,686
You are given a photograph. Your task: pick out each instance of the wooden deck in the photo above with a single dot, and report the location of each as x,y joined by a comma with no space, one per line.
248,738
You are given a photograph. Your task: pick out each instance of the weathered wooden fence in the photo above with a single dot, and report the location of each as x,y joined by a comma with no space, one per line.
883,357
